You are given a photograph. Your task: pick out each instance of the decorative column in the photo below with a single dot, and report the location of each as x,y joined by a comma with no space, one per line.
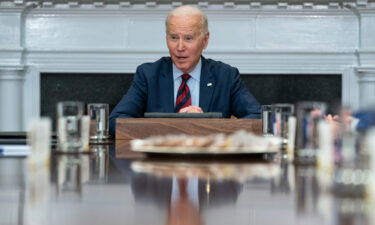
366,54
11,91
12,42
366,81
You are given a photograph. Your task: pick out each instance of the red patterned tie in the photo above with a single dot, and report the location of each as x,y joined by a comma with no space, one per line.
183,95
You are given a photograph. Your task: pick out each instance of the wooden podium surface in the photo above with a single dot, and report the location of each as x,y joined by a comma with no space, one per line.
137,128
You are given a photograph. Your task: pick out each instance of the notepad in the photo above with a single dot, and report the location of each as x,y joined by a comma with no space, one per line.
15,150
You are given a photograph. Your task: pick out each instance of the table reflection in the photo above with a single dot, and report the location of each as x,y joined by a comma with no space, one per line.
99,188
187,189
73,170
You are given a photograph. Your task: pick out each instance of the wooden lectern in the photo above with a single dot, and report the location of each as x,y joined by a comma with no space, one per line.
137,128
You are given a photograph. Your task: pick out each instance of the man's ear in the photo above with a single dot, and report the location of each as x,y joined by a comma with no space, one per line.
205,39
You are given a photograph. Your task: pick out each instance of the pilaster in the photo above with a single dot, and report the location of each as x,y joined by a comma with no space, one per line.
11,99
366,45
366,82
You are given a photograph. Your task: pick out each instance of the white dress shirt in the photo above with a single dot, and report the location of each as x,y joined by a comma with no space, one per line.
193,82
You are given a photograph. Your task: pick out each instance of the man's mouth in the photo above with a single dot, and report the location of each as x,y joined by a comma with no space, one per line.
181,57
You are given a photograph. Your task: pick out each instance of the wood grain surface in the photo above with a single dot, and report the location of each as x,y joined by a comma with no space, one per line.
128,129
123,150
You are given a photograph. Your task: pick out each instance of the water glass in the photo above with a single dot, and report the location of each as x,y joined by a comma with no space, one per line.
308,116
280,117
69,126
267,120
98,113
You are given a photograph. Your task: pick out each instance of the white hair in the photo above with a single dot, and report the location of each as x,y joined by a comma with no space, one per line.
187,10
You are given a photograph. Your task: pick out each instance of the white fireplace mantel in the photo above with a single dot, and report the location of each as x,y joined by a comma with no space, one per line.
115,36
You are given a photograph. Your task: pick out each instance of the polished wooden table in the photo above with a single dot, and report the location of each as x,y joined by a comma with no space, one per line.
138,128
113,186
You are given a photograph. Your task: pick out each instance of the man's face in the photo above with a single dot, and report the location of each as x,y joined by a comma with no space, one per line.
185,41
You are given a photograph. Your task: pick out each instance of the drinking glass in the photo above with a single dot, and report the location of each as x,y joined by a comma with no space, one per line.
308,116
98,113
69,126
267,120
280,117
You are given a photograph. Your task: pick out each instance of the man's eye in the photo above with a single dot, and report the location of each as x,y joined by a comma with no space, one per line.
173,37
189,38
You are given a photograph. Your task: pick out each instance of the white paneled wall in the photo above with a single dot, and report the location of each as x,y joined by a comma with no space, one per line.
276,37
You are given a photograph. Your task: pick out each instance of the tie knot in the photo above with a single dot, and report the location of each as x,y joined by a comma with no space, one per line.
185,77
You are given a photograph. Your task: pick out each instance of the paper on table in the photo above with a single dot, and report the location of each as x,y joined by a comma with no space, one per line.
14,150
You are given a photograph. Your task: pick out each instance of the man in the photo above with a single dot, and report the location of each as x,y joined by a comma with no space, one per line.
186,82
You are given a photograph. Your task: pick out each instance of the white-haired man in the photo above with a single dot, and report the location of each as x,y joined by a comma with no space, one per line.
186,82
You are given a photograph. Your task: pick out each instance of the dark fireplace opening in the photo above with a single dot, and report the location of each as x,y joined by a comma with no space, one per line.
109,88
269,89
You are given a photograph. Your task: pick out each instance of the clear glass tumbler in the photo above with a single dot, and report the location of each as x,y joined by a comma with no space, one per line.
308,116
280,117
98,113
69,126
267,126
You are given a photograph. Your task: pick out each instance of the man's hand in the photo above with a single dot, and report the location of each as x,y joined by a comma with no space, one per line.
191,109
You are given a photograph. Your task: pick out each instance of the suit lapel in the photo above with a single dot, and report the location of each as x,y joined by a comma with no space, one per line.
207,85
166,84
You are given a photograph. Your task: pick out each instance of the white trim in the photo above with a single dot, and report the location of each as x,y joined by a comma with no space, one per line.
259,61
366,83
350,91
31,95
280,4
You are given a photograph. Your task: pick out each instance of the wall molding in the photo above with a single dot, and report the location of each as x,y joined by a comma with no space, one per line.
10,56
168,4
248,62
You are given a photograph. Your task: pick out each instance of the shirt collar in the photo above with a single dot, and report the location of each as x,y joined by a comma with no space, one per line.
195,74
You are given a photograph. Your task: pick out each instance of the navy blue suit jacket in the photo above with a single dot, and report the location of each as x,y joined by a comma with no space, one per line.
152,91
366,119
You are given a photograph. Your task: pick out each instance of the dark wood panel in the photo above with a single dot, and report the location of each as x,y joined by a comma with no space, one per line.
128,129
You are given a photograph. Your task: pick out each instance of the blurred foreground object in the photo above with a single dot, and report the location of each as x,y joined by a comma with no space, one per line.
308,116
39,138
238,142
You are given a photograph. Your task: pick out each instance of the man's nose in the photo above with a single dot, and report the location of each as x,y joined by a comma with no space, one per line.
181,45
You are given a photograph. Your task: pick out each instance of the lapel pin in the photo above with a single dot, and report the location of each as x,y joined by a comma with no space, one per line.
209,84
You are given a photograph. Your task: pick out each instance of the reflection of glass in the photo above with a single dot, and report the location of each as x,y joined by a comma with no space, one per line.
284,182
307,189
72,172
75,170
99,163
69,127
98,113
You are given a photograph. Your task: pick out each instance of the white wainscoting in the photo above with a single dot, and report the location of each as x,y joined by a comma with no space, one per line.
280,37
